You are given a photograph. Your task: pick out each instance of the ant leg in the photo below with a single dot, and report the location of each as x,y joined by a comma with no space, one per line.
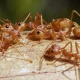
74,11
28,15
75,69
72,23
21,54
41,59
61,64
40,63
70,47
54,61
21,41
2,21
67,45
65,71
49,45
75,24
63,36
6,20
41,21
42,18
53,33
77,46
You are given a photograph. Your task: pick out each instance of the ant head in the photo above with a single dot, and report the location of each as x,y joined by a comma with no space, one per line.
20,26
6,27
36,34
53,50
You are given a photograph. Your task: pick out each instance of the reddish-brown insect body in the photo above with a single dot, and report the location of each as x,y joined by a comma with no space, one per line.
76,32
61,24
6,27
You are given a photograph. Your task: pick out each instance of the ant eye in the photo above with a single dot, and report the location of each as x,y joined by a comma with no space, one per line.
38,32
52,51
7,26
19,24
18,34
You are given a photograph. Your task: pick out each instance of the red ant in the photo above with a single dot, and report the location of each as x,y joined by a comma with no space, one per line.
20,26
6,43
76,30
40,32
56,50
8,28
62,23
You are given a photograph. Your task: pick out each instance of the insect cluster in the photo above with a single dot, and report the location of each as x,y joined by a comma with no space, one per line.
59,29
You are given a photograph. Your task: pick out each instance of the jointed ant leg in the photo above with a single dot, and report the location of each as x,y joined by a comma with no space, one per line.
63,36
54,61
65,71
77,46
21,54
53,33
2,21
67,45
41,21
75,69
61,64
40,63
74,11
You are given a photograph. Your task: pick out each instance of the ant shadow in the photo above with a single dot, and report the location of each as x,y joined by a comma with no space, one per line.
66,62
62,60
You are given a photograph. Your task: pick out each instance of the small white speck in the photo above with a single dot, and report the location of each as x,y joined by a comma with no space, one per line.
23,70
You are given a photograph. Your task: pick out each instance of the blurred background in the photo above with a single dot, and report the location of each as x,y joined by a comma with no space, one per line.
50,9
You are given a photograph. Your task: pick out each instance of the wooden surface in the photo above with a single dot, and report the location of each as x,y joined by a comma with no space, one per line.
14,66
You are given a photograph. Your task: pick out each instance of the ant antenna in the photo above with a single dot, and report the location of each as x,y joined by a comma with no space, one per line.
2,21
41,21
27,17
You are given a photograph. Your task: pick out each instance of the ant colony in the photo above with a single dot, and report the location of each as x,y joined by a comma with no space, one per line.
38,47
